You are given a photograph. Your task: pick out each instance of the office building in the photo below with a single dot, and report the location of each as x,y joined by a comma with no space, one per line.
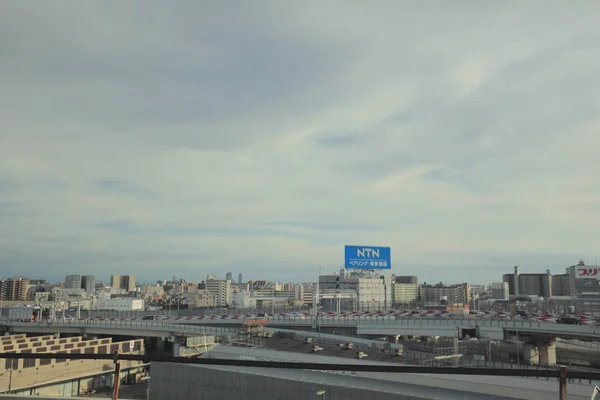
240,278
229,276
372,293
124,282
405,294
88,283
561,285
73,282
14,289
221,290
439,294
586,288
499,291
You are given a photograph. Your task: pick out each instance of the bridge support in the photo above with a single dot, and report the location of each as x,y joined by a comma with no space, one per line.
543,353
547,352
176,346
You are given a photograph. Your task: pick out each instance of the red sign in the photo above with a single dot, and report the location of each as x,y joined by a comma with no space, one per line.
587,272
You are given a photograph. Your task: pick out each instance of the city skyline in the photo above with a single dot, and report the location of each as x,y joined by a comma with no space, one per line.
265,142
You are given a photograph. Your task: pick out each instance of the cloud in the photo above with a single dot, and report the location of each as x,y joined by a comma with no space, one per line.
146,139
122,188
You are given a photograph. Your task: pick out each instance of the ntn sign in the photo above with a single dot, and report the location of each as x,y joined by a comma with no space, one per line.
587,272
368,257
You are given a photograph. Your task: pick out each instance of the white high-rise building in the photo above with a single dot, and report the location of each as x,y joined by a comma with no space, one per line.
221,289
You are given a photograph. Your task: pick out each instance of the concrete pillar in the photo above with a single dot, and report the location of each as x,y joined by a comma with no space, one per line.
160,344
547,353
176,346
530,353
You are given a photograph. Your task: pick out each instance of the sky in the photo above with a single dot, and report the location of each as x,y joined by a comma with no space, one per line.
181,138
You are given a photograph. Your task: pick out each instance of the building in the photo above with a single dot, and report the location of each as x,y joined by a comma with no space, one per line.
200,299
68,295
127,304
406,279
88,283
405,293
229,276
73,282
372,293
221,289
500,291
14,289
29,373
528,284
561,285
240,278
125,282
584,284
452,294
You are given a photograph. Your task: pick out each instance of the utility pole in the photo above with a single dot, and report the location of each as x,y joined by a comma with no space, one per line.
117,377
563,383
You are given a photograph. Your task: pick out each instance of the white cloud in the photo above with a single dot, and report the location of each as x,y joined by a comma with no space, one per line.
187,139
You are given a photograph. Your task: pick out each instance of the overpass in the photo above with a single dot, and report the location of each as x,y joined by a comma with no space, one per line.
539,337
115,328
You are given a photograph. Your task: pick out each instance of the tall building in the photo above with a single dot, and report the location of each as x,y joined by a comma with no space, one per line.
73,282
229,276
14,289
240,278
125,282
88,283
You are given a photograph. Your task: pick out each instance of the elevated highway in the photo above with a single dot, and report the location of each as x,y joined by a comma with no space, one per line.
498,329
448,327
115,328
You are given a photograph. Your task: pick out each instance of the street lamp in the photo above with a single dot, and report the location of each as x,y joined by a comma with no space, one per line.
321,393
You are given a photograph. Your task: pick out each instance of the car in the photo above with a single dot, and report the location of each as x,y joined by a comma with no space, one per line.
569,320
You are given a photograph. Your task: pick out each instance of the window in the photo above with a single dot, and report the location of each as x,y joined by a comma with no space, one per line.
11,363
45,361
61,360
55,348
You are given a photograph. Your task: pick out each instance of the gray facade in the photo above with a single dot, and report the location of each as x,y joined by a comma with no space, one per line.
88,283
73,282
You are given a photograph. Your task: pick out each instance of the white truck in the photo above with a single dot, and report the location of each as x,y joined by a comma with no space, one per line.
21,313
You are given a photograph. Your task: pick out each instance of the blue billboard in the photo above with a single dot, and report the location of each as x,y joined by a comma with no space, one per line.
368,257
